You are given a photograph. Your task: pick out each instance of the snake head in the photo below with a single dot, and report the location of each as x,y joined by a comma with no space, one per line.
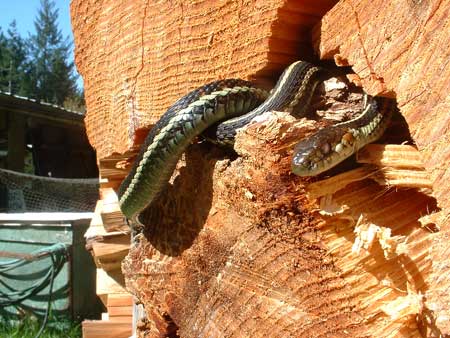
322,151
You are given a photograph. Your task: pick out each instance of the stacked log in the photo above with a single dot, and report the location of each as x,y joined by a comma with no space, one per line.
253,250
115,323
108,240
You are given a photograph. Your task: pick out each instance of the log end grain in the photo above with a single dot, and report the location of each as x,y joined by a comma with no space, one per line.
138,57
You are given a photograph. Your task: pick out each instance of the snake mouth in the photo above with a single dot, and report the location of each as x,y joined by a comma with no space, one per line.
309,164
322,151
330,146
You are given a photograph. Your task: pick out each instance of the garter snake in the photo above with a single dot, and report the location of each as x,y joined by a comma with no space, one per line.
227,105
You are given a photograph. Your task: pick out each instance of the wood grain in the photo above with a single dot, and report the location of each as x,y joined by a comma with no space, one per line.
401,49
138,57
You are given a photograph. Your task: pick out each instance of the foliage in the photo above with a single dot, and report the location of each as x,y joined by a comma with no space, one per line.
13,57
28,327
39,67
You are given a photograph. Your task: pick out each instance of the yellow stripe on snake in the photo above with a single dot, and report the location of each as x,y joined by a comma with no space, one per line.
227,105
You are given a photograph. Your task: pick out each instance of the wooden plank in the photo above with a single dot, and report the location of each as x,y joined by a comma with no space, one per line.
120,311
109,284
127,318
43,111
112,217
120,300
97,232
113,247
106,329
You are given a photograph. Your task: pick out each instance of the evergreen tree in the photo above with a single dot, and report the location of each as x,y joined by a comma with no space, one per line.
50,72
39,67
4,62
13,56
18,54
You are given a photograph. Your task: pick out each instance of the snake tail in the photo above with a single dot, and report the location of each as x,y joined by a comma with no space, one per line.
330,146
176,129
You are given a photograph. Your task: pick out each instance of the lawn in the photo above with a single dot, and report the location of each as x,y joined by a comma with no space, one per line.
29,328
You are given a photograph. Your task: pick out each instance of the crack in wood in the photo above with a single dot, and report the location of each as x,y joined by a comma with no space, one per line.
373,74
134,119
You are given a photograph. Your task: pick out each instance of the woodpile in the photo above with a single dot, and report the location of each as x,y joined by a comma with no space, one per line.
108,240
238,246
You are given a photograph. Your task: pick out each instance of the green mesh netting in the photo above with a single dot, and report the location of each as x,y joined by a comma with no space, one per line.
29,193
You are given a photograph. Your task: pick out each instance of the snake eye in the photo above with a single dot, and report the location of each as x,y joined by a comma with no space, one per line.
325,148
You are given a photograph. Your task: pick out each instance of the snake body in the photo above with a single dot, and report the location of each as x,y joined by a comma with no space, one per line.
292,93
176,129
238,102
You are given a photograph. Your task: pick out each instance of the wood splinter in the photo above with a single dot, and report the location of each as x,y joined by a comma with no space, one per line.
386,164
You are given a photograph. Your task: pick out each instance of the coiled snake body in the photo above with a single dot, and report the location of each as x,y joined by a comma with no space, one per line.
238,102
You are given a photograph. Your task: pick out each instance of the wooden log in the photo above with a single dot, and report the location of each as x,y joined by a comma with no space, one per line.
266,259
405,55
404,59
235,247
138,57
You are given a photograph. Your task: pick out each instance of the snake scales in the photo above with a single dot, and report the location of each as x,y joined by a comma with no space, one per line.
236,102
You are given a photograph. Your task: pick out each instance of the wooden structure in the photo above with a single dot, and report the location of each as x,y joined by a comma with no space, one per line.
161,51
108,240
256,251
54,136
116,322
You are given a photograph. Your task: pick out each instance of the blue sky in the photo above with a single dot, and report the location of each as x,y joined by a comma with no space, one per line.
25,11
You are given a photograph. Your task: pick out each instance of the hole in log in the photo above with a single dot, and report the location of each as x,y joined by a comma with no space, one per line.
172,328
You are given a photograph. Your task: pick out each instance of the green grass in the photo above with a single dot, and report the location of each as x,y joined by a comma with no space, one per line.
29,327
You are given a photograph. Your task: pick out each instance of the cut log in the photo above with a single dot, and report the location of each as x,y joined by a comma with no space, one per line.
406,55
239,246
405,59
266,259
138,57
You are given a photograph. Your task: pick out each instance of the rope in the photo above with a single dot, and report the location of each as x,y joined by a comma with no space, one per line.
58,255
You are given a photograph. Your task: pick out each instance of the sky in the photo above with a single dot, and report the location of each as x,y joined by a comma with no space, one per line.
25,11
